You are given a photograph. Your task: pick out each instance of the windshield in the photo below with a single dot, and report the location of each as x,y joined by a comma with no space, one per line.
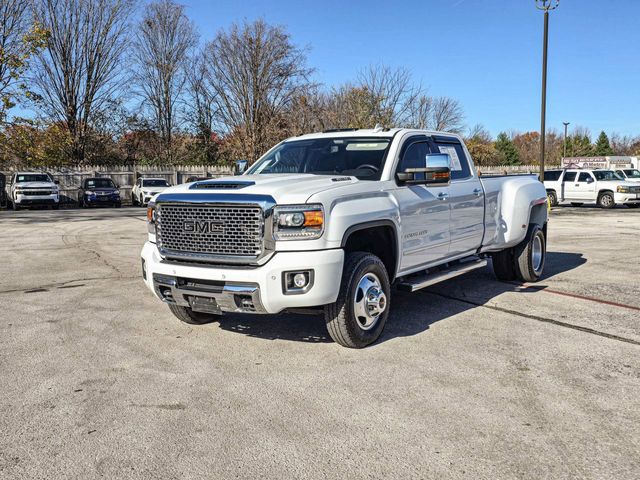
359,157
633,173
100,183
605,175
155,183
33,177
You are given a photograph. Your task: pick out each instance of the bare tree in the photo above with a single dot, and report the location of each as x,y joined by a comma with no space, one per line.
255,73
394,92
78,73
447,115
201,107
163,41
19,40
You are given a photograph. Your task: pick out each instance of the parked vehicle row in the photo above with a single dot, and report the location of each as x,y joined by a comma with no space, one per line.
33,189
605,188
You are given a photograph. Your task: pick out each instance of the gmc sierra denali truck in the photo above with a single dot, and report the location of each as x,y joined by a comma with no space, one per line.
332,221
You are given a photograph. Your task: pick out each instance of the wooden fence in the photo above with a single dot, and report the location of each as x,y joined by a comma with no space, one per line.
124,176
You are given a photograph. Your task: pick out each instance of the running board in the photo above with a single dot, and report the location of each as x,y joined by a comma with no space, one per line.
413,284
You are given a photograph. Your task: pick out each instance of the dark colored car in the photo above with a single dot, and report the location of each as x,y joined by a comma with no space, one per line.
99,191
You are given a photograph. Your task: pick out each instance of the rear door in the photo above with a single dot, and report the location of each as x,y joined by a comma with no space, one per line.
466,199
569,186
424,211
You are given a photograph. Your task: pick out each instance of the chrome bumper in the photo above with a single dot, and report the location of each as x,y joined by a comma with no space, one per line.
208,296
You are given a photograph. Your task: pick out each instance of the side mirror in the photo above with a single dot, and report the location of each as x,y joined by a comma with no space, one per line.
57,182
240,167
436,173
589,180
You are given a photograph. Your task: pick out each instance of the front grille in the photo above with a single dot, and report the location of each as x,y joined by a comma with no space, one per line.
210,230
36,192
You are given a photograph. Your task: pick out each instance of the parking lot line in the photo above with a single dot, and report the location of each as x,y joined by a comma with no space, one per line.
580,297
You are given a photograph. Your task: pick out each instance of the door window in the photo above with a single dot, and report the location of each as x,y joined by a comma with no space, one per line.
570,176
415,156
460,168
584,177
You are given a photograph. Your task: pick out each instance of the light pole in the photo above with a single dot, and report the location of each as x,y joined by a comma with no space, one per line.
566,124
545,6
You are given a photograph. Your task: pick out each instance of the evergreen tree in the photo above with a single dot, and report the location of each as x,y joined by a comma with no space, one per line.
507,151
603,147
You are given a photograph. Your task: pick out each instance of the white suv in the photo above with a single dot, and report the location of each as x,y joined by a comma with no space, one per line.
146,188
602,187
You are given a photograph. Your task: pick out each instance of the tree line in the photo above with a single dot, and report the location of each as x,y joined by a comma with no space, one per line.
120,82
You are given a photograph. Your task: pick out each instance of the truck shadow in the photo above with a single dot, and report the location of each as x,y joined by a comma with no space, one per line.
411,313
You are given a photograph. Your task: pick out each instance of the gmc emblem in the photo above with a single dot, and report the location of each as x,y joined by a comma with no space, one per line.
202,226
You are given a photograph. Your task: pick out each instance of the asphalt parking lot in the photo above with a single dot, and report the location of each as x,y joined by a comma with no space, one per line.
472,378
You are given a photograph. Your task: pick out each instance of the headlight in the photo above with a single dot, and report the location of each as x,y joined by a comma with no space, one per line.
623,189
89,192
151,218
298,222
116,192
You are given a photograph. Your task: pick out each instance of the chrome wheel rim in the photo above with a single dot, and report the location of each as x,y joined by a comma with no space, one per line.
606,200
537,253
369,301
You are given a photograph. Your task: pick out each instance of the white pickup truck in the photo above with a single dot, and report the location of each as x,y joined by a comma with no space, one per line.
602,187
26,189
331,221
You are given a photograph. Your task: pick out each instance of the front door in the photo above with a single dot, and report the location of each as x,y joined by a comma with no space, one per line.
424,212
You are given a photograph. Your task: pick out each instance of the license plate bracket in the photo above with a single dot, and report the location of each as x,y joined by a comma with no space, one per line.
204,304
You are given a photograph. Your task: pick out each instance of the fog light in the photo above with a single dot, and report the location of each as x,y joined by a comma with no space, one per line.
299,280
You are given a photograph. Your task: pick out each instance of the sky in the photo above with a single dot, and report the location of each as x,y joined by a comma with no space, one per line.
485,53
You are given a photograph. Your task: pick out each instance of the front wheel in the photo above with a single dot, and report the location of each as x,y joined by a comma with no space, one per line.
606,200
187,315
553,198
358,316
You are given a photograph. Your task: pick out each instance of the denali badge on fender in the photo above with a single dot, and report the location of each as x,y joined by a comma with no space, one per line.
203,226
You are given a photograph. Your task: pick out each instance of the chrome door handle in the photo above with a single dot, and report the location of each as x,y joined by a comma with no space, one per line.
477,191
442,196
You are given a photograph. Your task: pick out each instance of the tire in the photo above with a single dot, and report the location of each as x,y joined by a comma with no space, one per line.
576,204
503,265
363,273
117,205
56,206
553,198
134,202
529,256
186,315
14,205
606,200
141,202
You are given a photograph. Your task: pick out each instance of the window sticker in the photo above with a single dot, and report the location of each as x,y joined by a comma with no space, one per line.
455,160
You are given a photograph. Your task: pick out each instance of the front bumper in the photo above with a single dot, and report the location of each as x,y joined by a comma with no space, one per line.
242,289
37,199
101,199
626,198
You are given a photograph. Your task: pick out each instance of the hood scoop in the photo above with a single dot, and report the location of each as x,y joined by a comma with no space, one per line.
216,185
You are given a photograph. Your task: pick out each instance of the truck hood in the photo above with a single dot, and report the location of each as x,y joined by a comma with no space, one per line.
615,183
285,188
36,185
